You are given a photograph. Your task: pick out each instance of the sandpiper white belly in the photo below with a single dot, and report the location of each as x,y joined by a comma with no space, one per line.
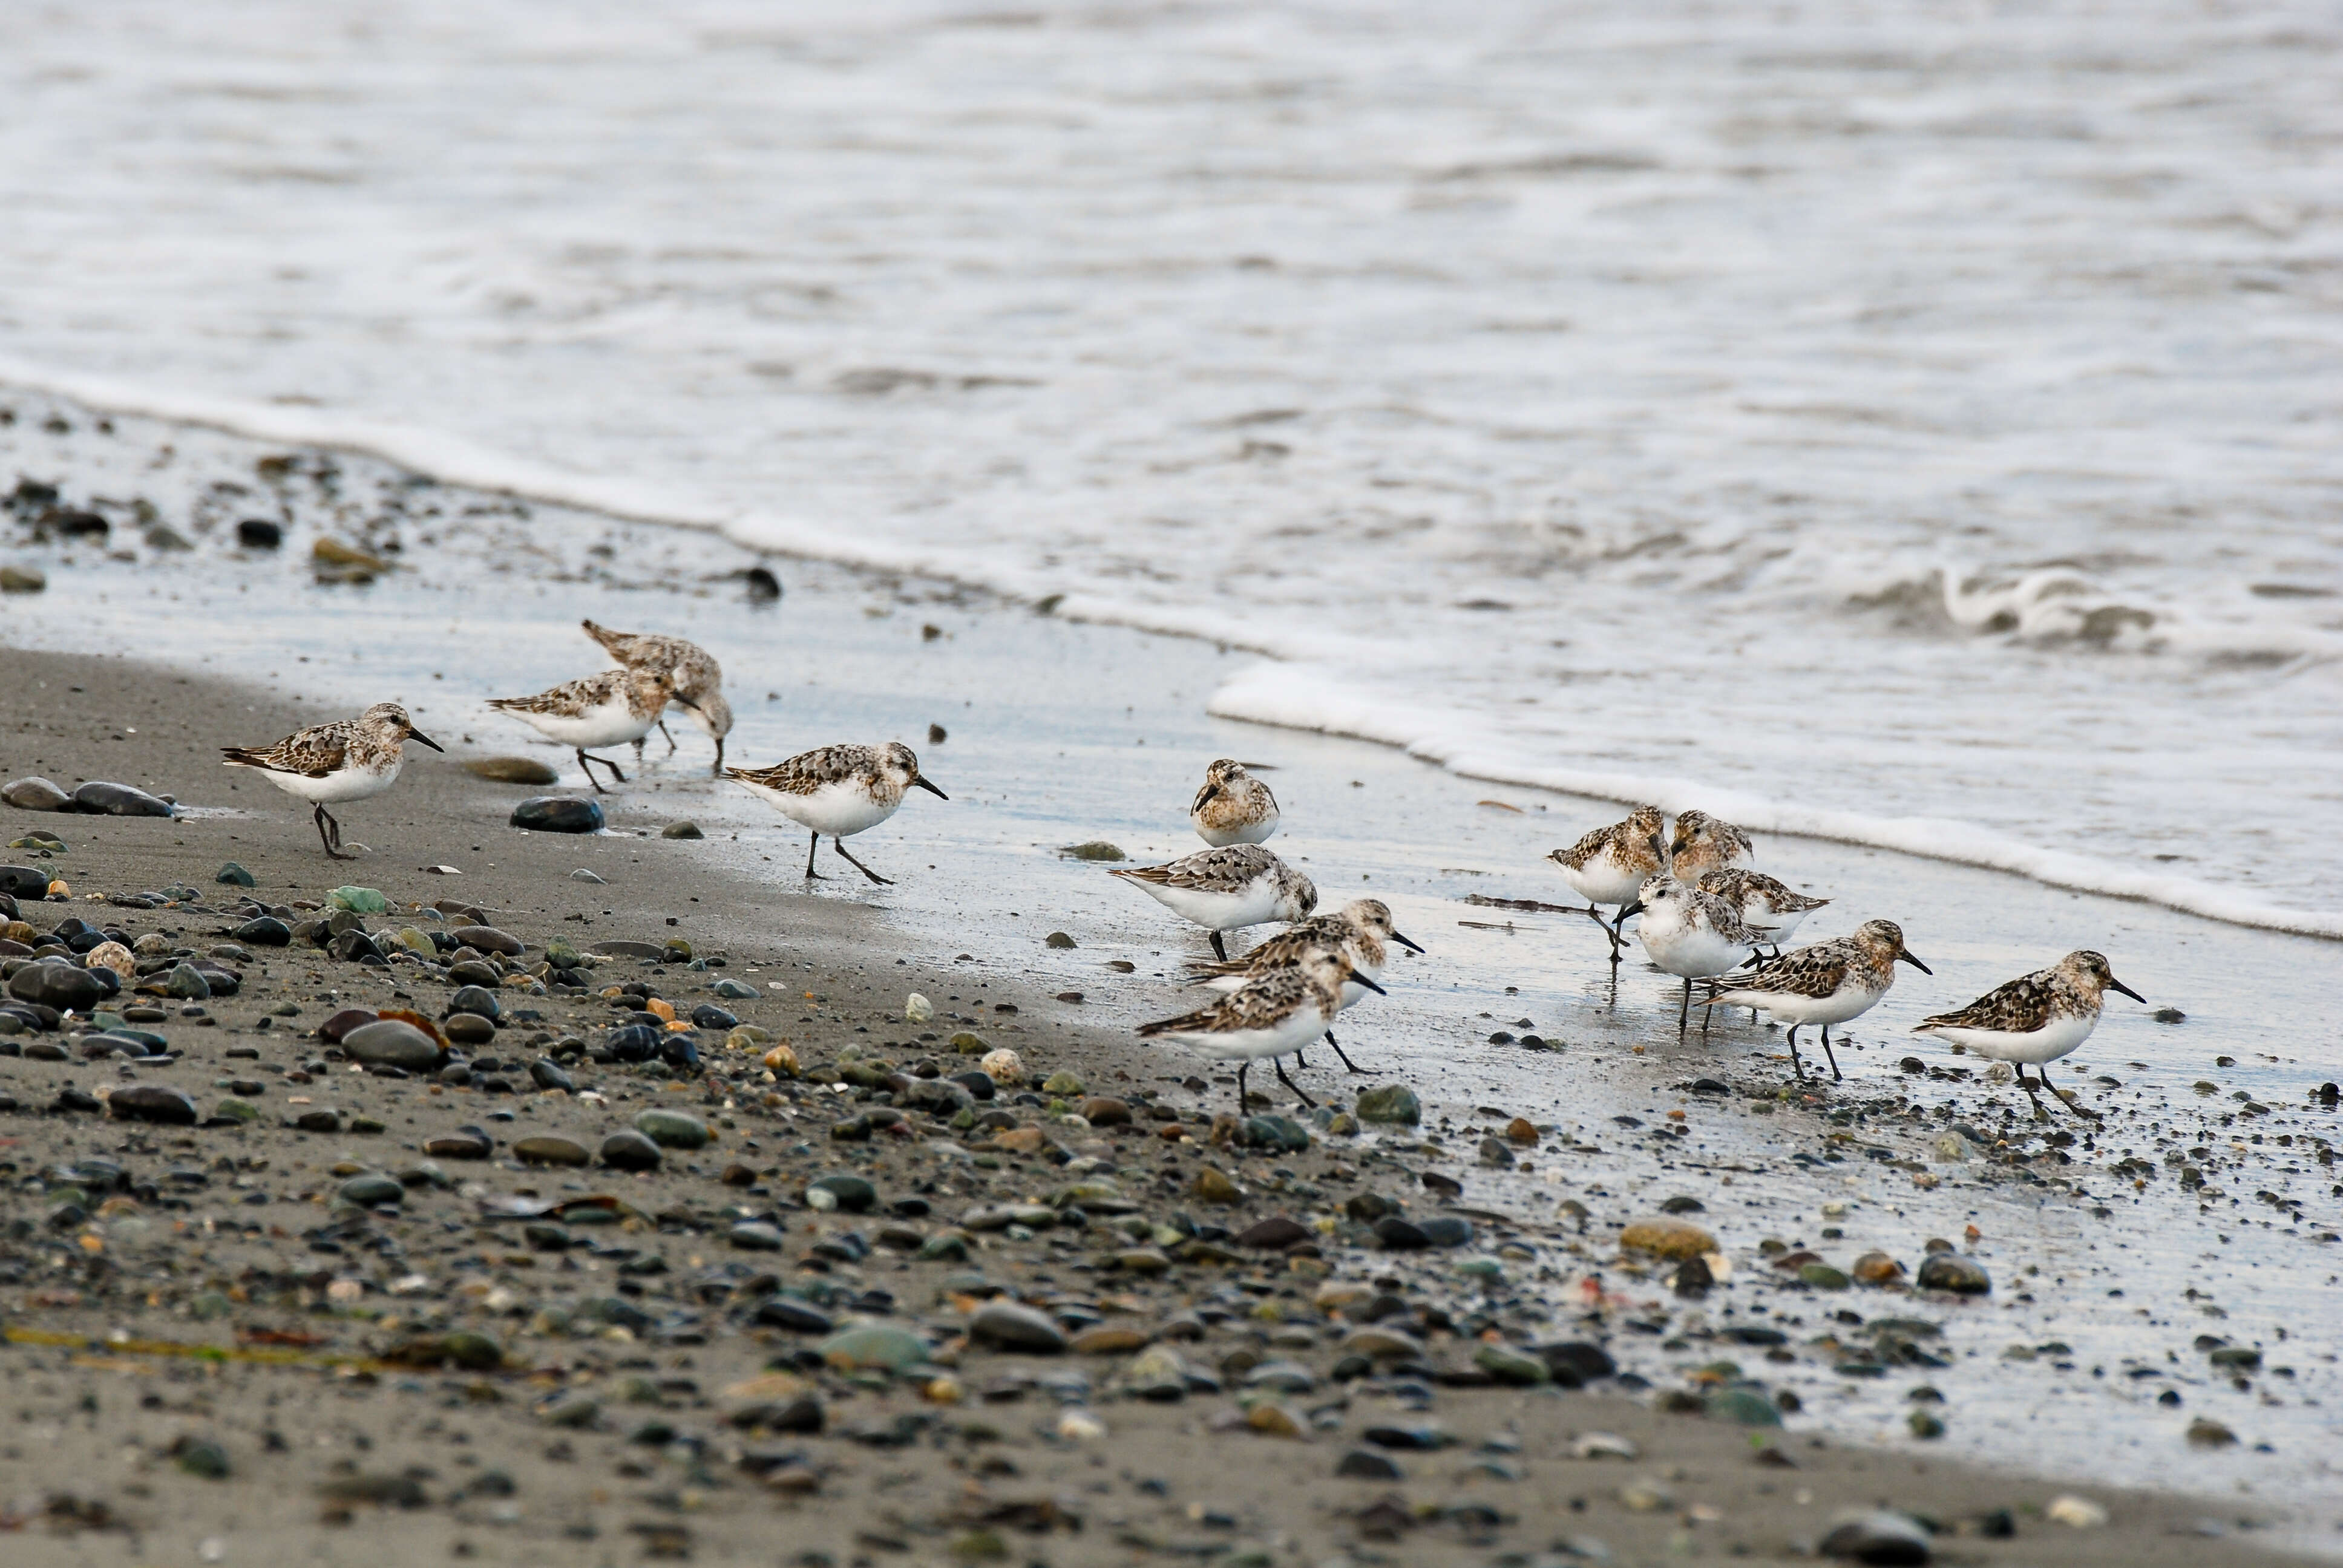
2059,1037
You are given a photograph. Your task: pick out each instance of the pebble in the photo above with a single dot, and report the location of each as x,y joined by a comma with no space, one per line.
1511,1366
756,1236
1005,1325
1665,1238
788,1313
235,875
686,830
1003,1067
546,1073
36,794
100,799
339,1024
111,956
259,533
477,1000
550,1150
367,1190
1213,1186
153,1102
512,771
392,1042
2203,1433
918,1009
671,1130
2076,1513
852,1194
1603,1445
1877,1269
202,1456
264,930
1367,1464
357,901
1875,1538
1275,1234
1390,1103
58,985
879,1346
582,875
21,579
1378,1342
557,814
629,1151
1095,849
468,1029
1952,1272
22,882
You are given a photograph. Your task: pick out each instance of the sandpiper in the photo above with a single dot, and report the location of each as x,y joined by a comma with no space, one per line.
1358,931
604,709
692,672
1608,865
1704,843
1226,889
2035,1018
1827,983
1269,1016
1687,932
348,759
1768,907
1234,807
839,790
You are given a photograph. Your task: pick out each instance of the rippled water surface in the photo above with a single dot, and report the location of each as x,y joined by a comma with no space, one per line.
1913,424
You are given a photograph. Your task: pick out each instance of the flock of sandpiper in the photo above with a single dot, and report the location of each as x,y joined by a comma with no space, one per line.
1702,914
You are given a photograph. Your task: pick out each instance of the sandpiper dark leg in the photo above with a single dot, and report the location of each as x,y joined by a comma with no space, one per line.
1308,1104
329,834
663,730
1835,1077
715,770
1353,1066
813,875
1219,949
585,765
1683,1013
1240,1086
839,845
1798,1064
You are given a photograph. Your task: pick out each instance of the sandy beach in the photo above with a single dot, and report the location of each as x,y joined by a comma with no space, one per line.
231,1341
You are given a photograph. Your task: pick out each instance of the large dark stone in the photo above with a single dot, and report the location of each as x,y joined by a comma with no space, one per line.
1005,1325
100,799
630,1150
476,999
1575,1363
392,1042
353,947
265,931
24,882
36,794
57,984
557,814
339,1024
488,939
634,1042
153,1102
787,1312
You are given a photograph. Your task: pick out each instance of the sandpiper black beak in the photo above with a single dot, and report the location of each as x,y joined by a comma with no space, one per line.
415,734
1209,792
930,789
683,702
1635,909
1916,963
2114,984
1355,978
1405,943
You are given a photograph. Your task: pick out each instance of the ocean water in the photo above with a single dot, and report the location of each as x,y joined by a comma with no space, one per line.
1911,426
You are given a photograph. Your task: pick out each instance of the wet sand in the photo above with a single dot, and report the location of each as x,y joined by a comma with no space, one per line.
592,1440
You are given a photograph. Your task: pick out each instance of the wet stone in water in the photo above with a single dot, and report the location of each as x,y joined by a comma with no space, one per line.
557,814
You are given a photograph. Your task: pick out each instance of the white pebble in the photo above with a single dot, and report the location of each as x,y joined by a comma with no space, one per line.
2080,1513
918,1009
1079,1425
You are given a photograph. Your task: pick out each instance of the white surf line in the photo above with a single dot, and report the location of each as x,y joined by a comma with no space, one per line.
1294,694
1298,697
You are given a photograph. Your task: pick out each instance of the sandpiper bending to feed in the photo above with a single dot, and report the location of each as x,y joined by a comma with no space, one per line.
605,709
2035,1018
1827,983
1687,932
1769,909
839,791
1609,865
1234,807
1270,1016
1226,889
692,673
348,759
1357,930
1704,843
